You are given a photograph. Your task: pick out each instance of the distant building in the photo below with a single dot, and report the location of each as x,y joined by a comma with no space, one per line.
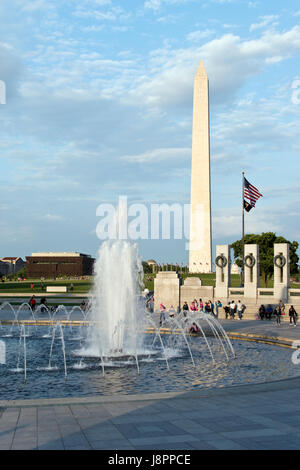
53,265
152,264
11,265
235,269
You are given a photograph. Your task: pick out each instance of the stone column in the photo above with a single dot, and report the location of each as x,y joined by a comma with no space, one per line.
222,273
281,274
251,273
167,289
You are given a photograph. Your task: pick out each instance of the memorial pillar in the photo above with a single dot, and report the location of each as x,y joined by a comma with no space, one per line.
281,271
251,271
223,269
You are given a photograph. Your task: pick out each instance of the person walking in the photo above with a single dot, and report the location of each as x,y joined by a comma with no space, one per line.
293,315
162,317
232,309
278,315
185,308
240,309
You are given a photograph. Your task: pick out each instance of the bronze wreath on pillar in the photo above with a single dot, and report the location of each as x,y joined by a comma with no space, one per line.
282,261
223,260
249,261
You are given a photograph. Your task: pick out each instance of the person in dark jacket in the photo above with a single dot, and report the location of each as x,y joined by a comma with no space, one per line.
269,312
278,314
44,304
293,315
262,312
227,311
185,308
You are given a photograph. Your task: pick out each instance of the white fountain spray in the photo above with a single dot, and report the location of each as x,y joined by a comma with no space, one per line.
115,318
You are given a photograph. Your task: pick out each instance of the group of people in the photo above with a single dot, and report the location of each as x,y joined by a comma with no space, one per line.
268,312
43,302
207,307
195,306
234,308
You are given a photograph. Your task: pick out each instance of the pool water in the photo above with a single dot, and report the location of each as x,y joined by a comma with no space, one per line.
86,376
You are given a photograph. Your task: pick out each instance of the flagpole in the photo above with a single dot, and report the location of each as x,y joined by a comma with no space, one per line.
243,227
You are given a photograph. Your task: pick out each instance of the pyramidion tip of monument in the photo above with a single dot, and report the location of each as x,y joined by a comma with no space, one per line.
201,69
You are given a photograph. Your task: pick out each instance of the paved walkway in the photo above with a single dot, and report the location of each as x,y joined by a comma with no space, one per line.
263,416
263,327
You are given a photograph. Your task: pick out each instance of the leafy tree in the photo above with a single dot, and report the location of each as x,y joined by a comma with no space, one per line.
146,267
22,272
266,252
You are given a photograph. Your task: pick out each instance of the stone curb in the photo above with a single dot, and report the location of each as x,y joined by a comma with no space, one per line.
278,341
246,389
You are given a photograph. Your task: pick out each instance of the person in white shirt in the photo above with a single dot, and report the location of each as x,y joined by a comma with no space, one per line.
232,309
240,309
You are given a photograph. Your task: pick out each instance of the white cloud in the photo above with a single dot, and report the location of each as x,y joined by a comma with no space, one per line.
155,5
53,217
158,155
227,223
265,21
197,36
229,60
95,14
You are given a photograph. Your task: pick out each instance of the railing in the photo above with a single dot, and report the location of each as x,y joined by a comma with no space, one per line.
236,291
294,292
265,291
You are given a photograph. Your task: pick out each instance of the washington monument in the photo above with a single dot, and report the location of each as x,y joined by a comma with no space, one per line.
200,226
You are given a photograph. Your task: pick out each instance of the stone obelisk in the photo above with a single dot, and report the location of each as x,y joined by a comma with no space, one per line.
200,260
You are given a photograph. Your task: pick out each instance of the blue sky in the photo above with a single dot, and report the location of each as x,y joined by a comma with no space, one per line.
99,104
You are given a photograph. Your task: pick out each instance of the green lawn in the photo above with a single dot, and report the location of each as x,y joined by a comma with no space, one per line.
84,286
13,287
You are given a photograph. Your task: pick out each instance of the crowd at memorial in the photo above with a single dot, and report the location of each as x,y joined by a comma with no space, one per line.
268,312
232,310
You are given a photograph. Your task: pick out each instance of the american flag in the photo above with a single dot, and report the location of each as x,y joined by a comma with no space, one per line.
251,192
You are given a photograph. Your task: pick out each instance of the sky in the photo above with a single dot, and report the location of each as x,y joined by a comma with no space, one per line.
99,104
